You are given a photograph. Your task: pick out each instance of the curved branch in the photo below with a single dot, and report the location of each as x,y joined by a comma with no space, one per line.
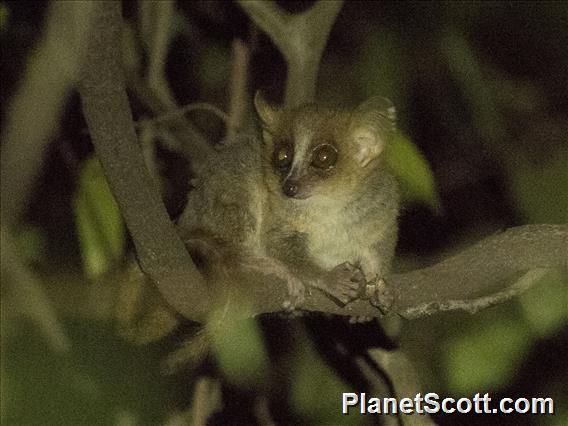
271,19
161,252
488,273
510,263
491,271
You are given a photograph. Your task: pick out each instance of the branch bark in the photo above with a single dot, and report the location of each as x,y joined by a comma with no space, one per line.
161,252
490,272
510,263
301,39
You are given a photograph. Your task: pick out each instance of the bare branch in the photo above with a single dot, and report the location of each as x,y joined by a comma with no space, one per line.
301,39
485,274
518,256
160,251
156,21
271,19
181,111
154,91
182,130
238,88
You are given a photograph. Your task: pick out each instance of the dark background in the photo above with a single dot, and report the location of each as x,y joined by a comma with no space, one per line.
481,89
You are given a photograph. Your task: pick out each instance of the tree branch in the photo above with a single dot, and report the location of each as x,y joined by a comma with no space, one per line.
482,275
156,23
301,39
153,91
518,259
238,88
488,273
161,252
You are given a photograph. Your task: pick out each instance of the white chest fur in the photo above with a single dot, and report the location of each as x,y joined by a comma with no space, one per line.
334,239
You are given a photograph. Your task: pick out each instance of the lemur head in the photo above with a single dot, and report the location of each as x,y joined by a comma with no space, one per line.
317,151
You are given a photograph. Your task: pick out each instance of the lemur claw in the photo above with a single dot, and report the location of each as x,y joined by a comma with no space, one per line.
379,294
346,282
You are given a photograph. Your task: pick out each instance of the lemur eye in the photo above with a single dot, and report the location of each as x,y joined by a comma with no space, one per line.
324,156
282,156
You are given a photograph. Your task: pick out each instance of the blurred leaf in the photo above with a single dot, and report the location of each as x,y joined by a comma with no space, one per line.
466,69
99,224
485,357
32,243
214,67
4,15
131,53
383,66
545,306
412,171
104,376
239,349
316,391
558,420
539,188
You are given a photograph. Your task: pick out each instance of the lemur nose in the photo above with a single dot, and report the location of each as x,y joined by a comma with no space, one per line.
290,188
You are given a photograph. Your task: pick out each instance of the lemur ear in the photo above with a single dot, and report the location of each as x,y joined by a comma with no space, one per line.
268,114
373,125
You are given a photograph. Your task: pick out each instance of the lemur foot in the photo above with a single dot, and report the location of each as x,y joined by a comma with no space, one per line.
346,282
360,319
379,295
296,292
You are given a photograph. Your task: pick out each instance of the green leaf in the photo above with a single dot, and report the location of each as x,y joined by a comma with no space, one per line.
545,305
32,243
316,391
100,227
412,171
485,357
4,16
539,187
239,348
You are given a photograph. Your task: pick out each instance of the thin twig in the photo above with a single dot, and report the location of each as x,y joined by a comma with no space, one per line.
156,23
238,88
181,111
397,366
183,130
206,400
154,91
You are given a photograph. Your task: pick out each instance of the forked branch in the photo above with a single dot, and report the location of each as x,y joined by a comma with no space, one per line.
301,39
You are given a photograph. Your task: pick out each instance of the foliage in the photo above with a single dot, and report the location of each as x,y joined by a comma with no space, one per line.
100,228
469,83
